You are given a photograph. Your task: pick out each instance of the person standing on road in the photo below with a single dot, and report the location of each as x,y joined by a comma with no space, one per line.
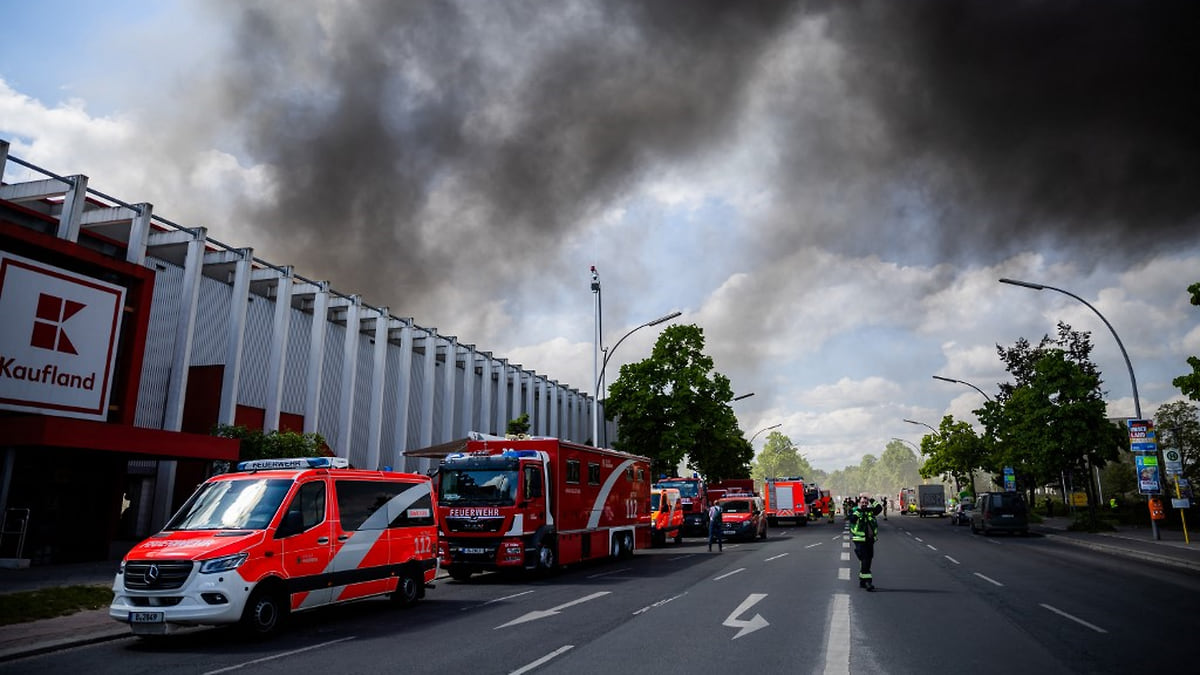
864,530
715,527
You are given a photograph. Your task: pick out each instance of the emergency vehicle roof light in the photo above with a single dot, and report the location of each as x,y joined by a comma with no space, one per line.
295,463
520,453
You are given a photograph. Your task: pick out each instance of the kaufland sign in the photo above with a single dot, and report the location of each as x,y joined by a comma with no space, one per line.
58,339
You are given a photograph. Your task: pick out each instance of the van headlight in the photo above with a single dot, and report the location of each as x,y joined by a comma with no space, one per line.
223,564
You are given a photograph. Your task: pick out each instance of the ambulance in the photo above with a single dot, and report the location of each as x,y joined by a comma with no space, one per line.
280,536
666,516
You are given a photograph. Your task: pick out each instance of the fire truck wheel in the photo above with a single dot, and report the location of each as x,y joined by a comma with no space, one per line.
408,589
264,614
627,545
679,538
545,555
615,551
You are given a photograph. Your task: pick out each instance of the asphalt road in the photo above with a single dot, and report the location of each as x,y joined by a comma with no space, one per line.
946,599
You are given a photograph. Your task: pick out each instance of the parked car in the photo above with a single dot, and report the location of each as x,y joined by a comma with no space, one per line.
961,513
743,517
1000,512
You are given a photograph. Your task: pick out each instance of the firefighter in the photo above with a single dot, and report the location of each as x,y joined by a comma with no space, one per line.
715,528
864,530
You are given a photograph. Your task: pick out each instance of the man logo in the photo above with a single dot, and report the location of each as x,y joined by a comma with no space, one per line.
52,313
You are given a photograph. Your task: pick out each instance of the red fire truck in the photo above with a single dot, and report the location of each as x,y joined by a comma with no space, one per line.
694,497
537,503
784,500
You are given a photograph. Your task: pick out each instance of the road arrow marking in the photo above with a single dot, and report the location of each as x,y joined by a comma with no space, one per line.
543,613
746,626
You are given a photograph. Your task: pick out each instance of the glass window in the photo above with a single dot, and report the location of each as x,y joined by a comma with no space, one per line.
238,504
593,473
572,471
377,505
306,511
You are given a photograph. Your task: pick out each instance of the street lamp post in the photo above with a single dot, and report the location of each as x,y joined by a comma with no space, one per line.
773,426
742,396
1137,404
608,355
596,360
935,431
950,379
905,440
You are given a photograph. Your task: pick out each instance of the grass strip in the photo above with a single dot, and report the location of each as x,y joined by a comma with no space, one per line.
48,603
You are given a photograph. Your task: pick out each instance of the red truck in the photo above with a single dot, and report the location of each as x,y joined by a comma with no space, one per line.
730,487
784,500
537,503
694,497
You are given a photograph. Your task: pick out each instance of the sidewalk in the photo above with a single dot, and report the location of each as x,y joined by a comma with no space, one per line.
38,637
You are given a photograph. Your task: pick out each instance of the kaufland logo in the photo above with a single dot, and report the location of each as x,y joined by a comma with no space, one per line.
58,342
52,313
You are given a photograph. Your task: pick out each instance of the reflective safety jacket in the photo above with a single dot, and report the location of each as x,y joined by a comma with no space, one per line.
862,523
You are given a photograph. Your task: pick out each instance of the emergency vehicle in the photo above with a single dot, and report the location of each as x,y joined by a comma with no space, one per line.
908,501
784,500
536,503
279,536
730,487
666,516
694,497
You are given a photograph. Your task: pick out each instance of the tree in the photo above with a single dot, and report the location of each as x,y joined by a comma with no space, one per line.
779,458
518,425
1190,384
673,404
1052,418
956,452
1178,427
274,444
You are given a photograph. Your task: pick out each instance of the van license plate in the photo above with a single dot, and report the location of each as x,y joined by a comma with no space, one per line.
474,551
145,617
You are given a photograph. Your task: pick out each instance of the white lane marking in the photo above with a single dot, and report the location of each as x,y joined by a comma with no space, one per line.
507,597
989,580
746,626
952,560
729,574
604,574
845,544
1073,618
837,645
543,613
844,574
814,545
845,555
685,556
660,603
775,557
930,546
919,539
535,664
279,656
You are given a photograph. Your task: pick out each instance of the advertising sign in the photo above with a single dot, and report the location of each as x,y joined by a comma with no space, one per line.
1149,482
1141,436
1010,480
58,339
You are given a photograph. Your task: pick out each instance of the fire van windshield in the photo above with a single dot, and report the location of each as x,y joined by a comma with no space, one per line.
478,486
687,488
239,504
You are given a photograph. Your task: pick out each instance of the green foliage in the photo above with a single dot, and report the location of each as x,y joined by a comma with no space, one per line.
1052,418
1178,427
896,468
779,458
519,426
273,444
954,453
673,404
1190,384
48,603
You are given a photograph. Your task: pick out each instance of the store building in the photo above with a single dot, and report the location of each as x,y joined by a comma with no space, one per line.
125,338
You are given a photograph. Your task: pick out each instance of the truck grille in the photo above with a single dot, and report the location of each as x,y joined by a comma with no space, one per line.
474,524
156,575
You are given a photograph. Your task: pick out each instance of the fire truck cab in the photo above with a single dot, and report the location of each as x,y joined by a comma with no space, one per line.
666,516
279,536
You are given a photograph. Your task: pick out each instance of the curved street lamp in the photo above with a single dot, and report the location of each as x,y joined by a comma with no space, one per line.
935,431
1137,404
950,379
608,354
905,440
773,426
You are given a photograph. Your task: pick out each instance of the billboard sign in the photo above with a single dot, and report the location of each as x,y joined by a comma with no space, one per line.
1141,436
1149,479
58,339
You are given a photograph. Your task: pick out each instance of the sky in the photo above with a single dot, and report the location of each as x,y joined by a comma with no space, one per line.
829,190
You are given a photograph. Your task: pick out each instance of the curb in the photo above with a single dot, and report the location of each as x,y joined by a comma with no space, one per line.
45,647
1118,551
